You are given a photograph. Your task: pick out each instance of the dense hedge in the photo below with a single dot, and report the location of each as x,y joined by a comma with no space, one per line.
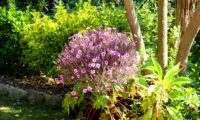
32,40
39,37
11,22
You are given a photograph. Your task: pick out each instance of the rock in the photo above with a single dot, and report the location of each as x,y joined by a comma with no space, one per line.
16,92
32,96
54,101
35,97
4,89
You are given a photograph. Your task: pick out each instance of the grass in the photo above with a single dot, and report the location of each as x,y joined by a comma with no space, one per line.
12,109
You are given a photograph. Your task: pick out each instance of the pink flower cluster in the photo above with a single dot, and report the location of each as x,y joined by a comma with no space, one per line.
102,57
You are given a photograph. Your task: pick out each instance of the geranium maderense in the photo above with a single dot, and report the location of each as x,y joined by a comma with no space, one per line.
102,57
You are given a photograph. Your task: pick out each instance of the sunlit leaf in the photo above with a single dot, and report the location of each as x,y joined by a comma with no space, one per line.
151,89
181,80
143,83
148,115
174,114
158,69
172,72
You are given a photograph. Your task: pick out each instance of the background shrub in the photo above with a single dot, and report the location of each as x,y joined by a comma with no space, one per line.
11,22
40,37
43,39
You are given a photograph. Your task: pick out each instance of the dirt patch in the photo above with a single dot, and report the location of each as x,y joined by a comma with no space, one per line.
38,83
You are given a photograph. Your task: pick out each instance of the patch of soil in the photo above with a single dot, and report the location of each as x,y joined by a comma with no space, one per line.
38,83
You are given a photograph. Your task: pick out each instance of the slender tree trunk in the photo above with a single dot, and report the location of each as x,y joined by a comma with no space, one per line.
162,33
135,28
178,12
188,37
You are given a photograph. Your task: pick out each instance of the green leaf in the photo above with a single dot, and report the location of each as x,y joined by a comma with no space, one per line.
99,101
158,69
148,115
151,89
174,114
142,83
171,73
151,68
180,81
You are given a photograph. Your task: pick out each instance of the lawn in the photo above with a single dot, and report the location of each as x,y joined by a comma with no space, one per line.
12,109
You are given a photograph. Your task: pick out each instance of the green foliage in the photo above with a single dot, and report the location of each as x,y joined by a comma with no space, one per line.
165,93
98,99
147,17
113,16
42,40
41,37
11,22
193,65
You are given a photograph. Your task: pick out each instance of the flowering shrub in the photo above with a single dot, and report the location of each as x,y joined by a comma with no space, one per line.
101,57
95,63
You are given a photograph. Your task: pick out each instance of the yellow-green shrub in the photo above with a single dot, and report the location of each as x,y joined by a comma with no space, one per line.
43,39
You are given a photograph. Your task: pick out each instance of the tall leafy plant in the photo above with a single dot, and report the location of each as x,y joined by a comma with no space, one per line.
160,93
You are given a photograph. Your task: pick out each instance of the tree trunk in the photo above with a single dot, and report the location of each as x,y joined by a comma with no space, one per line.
178,12
187,38
135,28
162,33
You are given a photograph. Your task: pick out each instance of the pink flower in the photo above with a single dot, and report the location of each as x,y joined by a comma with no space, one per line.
75,71
94,60
84,90
57,81
98,65
79,52
93,64
68,57
89,89
103,54
89,65
116,81
83,71
91,44
74,93
62,81
78,76
92,71
106,62
61,77
78,56
88,56
72,51
83,44
109,72
72,77
116,47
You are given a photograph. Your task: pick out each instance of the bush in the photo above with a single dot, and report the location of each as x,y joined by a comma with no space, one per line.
11,22
43,39
94,63
164,95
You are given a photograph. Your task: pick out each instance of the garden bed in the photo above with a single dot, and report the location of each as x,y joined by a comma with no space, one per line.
38,89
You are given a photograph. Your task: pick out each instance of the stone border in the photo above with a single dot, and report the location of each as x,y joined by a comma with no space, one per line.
32,96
